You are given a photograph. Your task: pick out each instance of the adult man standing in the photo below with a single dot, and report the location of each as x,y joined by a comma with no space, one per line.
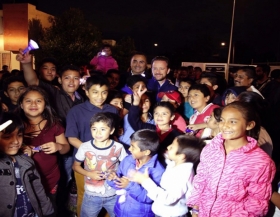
262,72
245,77
159,82
138,66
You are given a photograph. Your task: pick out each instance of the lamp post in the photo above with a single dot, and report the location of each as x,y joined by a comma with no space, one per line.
231,31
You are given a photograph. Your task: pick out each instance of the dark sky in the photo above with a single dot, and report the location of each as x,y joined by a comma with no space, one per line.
186,26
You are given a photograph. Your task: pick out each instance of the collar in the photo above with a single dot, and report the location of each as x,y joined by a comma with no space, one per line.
142,73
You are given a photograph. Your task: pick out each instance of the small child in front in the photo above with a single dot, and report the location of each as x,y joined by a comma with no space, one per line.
176,182
132,200
100,156
22,193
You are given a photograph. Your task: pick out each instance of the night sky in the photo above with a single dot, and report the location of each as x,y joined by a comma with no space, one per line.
193,29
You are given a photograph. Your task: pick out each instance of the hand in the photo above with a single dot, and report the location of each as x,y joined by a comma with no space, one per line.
95,175
137,95
195,127
4,108
122,182
111,175
128,98
138,176
27,150
50,147
23,58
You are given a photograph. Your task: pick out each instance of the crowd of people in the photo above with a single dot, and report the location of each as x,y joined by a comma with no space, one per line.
145,142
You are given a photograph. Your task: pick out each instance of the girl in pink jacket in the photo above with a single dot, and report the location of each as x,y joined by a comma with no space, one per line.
234,175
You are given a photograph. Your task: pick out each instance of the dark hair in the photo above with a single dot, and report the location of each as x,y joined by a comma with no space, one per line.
112,71
146,140
217,113
265,68
106,46
134,79
167,105
203,88
187,80
160,58
260,105
17,123
105,117
49,113
113,94
138,53
100,80
198,68
12,79
235,90
48,60
69,67
250,71
191,147
249,114
275,74
212,78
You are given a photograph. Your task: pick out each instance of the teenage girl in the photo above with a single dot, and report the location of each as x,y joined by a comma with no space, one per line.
185,108
43,136
234,175
164,113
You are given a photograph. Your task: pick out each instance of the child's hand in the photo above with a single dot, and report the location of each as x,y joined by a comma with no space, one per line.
95,175
122,182
196,127
127,98
137,95
138,176
50,147
23,58
111,175
27,150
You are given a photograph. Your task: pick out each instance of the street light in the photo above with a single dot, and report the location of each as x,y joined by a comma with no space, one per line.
223,44
155,45
231,31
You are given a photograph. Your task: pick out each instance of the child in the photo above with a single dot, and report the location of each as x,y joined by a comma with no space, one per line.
13,87
163,115
104,61
176,182
100,156
78,120
22,193
175,99
43,136
199,97
231,94
184,86
212,124
132,200
115,98
145,116
234,175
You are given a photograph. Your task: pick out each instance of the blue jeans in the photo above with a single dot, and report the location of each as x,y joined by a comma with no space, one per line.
92,205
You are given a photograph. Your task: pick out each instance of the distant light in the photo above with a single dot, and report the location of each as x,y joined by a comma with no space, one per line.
223,43
155,45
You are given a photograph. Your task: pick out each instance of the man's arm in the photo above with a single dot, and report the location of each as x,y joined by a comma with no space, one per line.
29,74
75,142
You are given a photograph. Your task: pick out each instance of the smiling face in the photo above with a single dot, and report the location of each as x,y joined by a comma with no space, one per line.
33,104
100,131
160,70
138,64
184,89
241,79
197,100
97,95
14,90
162,116
11,143
145,103
70,81
233,125
48,71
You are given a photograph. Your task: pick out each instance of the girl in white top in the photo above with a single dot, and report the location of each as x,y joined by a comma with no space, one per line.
176,182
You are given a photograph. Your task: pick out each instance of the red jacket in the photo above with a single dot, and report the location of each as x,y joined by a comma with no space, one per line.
104,63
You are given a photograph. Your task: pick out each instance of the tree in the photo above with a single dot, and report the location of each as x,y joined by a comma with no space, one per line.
71,39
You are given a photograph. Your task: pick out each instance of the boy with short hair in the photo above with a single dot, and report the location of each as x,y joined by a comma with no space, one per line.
100,155
78,120
13,87
132,199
